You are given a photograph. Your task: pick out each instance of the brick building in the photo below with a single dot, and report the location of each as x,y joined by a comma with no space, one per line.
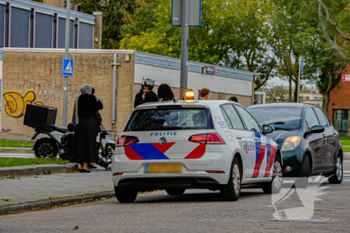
34,76
339,106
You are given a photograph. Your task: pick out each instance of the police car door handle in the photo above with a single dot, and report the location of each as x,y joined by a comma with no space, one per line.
239,137
255,138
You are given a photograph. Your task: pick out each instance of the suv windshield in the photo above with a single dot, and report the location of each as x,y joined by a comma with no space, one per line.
283,118
165,119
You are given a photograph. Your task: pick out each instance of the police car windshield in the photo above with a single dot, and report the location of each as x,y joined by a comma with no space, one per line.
165,119
286,118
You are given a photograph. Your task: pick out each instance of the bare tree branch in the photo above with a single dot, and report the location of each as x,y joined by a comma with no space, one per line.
331,22
333,44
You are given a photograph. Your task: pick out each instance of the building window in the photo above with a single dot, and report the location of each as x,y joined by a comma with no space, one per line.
62,33
307,97
85,35
341,119
19,28
43,31
2,15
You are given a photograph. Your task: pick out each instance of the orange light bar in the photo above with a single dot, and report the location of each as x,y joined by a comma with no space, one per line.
189,95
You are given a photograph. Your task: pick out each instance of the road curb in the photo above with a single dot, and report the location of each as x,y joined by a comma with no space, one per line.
53,202
37,169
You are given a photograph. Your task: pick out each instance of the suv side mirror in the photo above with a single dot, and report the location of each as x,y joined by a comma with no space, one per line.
268,129
317,129
314,129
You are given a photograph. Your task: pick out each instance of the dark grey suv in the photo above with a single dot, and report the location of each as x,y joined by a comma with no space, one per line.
309,143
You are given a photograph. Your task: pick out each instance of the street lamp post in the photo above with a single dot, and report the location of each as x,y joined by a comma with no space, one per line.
184,47
66,55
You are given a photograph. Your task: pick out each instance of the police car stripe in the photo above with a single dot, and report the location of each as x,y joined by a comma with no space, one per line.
259,161
270,161
131,154
147,151
197,152
163,148
268,148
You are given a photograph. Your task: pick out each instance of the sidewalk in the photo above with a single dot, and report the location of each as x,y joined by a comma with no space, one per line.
55,189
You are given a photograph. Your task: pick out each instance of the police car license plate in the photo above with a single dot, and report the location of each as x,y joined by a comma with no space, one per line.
163,168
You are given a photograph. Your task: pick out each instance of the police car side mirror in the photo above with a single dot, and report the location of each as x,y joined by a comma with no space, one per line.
268,129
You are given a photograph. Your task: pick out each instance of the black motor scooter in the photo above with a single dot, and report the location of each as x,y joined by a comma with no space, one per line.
49,147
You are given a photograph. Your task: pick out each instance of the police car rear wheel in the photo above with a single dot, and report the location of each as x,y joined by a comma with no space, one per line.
276,183
125,195
175,191
232,190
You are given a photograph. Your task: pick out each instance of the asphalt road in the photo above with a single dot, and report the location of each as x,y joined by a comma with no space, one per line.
195,211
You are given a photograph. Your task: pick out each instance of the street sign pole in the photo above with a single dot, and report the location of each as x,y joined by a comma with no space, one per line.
184,47
66,55
300,71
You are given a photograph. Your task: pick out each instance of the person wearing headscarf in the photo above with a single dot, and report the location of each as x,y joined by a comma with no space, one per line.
165,93
84,120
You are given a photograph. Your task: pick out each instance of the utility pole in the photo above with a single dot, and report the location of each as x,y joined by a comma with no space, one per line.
184,47
66,55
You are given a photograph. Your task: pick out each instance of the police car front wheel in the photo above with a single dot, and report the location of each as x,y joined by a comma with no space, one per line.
232,190
275,185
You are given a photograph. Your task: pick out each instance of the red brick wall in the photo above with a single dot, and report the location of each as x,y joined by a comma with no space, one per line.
340,97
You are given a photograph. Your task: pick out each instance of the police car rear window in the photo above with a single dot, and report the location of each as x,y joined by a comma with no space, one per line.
165,119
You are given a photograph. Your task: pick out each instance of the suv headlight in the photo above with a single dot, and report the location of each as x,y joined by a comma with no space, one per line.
291,143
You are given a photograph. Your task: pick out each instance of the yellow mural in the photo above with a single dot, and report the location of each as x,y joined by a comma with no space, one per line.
16,104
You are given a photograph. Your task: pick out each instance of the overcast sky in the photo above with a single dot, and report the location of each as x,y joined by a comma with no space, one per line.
278,81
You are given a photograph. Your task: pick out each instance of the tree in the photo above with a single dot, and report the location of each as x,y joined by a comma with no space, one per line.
329,52
114,16
275,93
227,37
336,25
289,24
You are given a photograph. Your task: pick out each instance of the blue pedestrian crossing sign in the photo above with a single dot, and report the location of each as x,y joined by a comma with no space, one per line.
67,67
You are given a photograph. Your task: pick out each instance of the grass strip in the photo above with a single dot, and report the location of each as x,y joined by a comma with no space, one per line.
346,149
12,162
14,143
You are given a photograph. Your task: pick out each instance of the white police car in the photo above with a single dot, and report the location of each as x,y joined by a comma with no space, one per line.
208,144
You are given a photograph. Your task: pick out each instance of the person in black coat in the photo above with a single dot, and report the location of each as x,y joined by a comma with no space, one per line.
84,119
146,94
165,93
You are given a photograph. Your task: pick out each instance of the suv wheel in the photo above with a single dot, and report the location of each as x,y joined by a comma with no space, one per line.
305,172
337,176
